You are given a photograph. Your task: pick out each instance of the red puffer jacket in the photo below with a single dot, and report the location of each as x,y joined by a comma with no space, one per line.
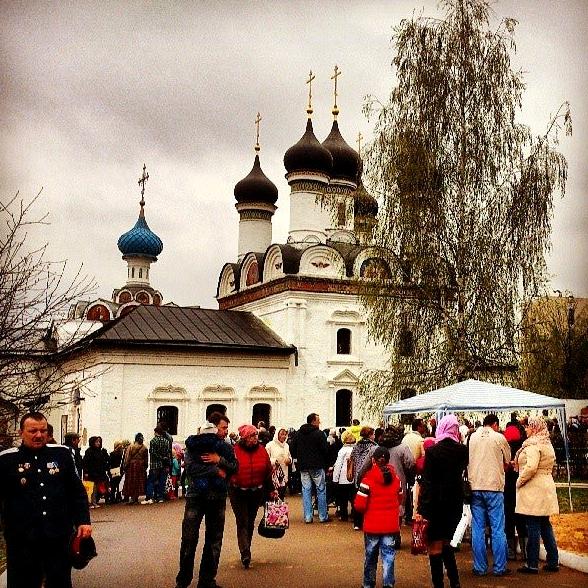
378,503
254,467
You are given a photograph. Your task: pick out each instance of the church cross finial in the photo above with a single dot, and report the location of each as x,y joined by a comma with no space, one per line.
311,77
334,77
359,140
257,121
142,181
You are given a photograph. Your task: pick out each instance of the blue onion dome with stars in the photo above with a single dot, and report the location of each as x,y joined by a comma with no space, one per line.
256,187
141,240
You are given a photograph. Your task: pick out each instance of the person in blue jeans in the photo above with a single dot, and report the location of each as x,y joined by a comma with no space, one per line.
536,495
489,457
310,448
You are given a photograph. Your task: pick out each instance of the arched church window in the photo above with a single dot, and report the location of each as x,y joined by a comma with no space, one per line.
407,418
252,275
140,272
343,342
168,417
375,269
261,412
156,299
343,410
405,343
341,214
132,272
215,408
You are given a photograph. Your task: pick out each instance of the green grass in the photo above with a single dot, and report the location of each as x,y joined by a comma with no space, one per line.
579,500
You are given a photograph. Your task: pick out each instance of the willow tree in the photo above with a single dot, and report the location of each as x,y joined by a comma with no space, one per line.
466,197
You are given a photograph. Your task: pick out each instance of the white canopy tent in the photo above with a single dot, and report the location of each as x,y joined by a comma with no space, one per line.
478,396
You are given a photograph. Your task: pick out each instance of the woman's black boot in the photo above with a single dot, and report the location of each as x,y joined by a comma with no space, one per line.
436,563
448,555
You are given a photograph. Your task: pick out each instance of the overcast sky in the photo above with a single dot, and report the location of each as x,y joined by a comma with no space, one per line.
92,90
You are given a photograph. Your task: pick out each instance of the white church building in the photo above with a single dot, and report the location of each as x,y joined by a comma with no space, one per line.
289,337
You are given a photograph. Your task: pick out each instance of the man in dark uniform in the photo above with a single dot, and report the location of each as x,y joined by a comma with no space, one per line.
43,503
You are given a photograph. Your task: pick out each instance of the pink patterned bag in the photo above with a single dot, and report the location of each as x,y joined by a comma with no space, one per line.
276,515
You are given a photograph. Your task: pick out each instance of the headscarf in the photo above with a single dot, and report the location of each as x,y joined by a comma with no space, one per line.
246,431
448,428
276,439
537,433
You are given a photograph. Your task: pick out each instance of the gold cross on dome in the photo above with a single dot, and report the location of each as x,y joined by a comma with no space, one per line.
359,140
142,181
334,77
257,121
311,77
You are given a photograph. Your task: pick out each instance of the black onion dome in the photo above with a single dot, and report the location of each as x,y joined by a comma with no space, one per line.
365,203
345,158
308,154
256,186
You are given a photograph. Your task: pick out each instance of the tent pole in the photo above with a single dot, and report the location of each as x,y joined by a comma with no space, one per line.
564,429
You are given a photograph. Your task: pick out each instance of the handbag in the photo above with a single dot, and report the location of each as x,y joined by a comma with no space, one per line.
115,472
278,477
270,532
276,514
419,543
467,488
350,472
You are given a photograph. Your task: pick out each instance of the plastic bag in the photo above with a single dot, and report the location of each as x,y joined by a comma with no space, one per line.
419,544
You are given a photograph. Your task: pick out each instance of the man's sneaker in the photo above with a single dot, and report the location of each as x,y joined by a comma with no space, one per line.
159,500
506,572
549,568
150,501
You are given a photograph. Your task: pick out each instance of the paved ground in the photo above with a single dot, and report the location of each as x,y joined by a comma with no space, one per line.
138,548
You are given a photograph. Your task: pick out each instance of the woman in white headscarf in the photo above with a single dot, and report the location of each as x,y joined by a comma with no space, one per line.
536,495
279,454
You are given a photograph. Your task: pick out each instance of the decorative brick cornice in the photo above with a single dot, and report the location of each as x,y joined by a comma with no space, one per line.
317,285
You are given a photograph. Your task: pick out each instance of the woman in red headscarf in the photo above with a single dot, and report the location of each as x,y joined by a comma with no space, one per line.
249,487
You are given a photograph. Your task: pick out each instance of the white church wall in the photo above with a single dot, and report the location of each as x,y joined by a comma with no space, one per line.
124,398
310,321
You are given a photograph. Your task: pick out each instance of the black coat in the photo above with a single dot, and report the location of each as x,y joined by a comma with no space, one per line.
41,493
441,496
95,464
310,448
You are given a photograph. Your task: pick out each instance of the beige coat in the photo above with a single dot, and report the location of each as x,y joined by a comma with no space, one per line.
536,494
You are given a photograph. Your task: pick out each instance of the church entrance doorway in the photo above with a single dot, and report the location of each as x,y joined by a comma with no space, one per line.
261,412
215,408
343,408
168,416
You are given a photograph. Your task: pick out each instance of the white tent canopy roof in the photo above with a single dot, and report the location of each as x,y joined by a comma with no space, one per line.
473,395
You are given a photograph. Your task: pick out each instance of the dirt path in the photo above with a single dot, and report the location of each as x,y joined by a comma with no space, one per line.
138,548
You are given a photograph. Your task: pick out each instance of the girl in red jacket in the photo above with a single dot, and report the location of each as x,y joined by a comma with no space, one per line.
378,498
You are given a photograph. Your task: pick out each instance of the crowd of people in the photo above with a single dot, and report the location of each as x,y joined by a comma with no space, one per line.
436,473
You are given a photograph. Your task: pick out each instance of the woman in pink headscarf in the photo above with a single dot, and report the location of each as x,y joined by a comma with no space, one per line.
536,495
441,498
